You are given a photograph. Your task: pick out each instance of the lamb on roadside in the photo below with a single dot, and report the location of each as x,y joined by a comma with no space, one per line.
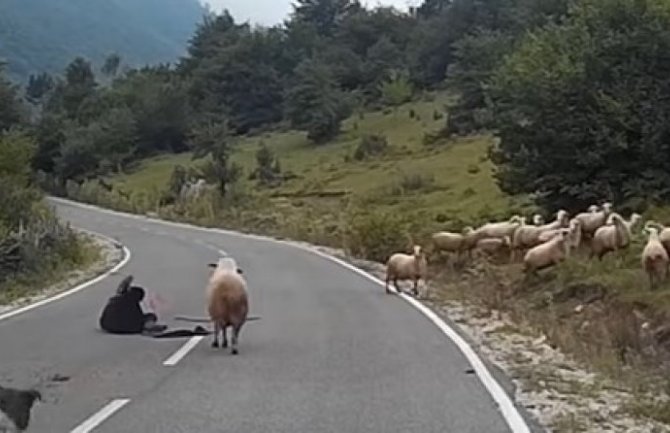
654,258
591,220
401,266
549,253
528,236
614,235
227,301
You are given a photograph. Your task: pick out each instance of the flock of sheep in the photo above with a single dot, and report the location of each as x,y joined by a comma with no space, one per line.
599,230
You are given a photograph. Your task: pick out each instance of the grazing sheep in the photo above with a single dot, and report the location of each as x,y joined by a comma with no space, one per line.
499,229
452,242
493,246
575,233
15,407
548,253
528,236
590,221
227,301
614,235
654,258
406,267
538,220
663,233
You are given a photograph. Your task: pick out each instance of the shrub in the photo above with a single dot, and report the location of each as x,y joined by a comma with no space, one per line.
375,235
370,145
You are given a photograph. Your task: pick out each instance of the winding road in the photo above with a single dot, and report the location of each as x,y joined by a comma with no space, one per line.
332,352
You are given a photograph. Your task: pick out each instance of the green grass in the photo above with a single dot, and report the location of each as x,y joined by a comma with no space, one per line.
462,182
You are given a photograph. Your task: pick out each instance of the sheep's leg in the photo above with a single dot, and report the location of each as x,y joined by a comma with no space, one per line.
236,333
224,343
395,283
415,290
215,343
387,284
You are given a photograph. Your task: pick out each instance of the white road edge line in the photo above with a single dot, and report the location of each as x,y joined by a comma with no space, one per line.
97,418
507,408
183,351
61,295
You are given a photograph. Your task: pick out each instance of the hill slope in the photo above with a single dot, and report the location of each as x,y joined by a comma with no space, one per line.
45,35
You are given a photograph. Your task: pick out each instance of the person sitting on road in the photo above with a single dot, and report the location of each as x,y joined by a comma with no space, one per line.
123,313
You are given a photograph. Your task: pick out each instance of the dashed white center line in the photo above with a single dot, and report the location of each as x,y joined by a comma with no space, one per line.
183,351
97,418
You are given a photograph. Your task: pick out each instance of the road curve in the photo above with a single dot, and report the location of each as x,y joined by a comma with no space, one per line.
332,352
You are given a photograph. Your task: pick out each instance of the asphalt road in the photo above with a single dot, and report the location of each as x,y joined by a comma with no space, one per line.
332,352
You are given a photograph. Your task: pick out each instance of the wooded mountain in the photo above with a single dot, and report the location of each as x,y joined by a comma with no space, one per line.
45,35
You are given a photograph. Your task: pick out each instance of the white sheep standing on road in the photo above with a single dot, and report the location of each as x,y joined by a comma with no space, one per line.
227,301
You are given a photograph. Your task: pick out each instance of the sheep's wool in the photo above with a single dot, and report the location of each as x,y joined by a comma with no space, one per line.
227,263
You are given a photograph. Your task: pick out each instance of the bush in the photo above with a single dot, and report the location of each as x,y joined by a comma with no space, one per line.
374,236
370,145
410,183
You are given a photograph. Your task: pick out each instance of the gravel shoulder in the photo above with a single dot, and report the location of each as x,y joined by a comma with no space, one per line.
110,255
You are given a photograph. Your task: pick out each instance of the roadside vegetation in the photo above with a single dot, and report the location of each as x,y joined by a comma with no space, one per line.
35,248
340,128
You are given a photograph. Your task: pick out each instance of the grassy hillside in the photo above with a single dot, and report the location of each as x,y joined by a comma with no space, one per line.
45,35
447,180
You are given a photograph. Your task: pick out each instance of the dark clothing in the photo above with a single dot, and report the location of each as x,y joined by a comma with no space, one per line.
123,313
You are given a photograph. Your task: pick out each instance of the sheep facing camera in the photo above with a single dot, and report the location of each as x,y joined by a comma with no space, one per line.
213,265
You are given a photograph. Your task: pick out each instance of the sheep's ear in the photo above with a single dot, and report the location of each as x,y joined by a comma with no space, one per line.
211,265
239,271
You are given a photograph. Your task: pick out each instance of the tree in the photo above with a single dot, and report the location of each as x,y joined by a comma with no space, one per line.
78,156
476,57
579,117
50,136
38,87
397,89
212,138
111,65
268,170
315,104
324,15
116,137
79,84
11,111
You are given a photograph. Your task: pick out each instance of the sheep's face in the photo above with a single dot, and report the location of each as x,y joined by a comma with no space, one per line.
607,208
417,250
651,231
593,208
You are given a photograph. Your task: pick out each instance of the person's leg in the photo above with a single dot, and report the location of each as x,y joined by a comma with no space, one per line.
150,324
